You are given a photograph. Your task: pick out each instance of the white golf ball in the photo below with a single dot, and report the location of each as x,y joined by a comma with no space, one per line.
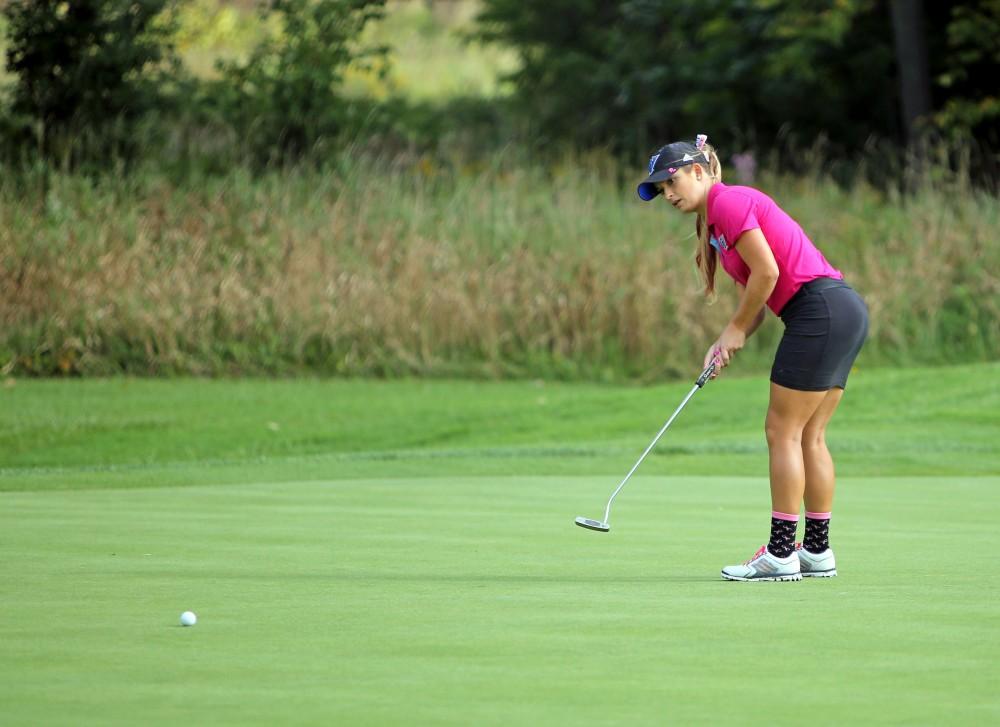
188,618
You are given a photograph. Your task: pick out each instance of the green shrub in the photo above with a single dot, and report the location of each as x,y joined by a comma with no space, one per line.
285,100
87,73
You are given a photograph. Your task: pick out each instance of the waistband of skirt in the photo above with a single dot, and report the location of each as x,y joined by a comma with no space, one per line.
814,286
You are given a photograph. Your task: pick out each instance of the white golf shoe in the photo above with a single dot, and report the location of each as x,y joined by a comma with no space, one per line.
816,565
765,567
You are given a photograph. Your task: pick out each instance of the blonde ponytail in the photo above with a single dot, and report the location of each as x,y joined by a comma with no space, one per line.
705,256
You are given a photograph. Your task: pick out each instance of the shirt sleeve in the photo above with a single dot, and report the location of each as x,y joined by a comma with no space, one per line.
736,213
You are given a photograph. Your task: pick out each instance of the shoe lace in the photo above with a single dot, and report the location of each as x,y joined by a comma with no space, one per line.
758,554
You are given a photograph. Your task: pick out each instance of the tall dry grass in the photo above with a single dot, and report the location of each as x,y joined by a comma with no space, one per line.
402,266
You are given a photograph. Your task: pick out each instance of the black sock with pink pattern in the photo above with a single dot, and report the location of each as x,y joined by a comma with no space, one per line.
783,527
817,537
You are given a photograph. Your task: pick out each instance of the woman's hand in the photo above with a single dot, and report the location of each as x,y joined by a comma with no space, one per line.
731,341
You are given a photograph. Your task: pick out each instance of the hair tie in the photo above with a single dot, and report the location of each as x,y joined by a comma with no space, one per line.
699,141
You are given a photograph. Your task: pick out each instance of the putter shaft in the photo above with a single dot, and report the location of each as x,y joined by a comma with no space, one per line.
705,376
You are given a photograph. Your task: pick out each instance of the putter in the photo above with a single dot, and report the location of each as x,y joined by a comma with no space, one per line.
604,525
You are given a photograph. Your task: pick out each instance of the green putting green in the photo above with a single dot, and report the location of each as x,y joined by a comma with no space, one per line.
369,580
477,601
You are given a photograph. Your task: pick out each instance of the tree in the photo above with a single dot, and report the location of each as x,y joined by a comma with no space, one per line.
286,97
911,57
967,72
631,73
86,72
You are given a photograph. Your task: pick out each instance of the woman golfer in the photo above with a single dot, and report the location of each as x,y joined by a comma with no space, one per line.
775,264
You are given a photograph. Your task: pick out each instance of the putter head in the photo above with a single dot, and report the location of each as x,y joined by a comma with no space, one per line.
586,522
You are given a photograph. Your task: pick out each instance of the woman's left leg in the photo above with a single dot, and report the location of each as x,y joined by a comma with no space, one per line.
787,415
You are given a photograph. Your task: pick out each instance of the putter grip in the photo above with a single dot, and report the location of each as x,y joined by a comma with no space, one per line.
705,375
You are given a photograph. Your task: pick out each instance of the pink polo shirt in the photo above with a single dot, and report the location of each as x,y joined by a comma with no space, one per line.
734,210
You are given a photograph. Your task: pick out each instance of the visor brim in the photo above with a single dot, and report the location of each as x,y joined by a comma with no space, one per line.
648,190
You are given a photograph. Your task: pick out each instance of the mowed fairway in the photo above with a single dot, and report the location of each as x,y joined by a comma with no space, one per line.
347,571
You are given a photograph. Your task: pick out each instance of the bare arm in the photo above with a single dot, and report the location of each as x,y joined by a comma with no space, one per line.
758,319
756,253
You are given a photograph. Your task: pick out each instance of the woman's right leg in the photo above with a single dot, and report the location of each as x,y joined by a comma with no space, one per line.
816,457
815,558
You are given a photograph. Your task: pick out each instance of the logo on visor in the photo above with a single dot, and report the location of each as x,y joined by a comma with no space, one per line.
652,162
